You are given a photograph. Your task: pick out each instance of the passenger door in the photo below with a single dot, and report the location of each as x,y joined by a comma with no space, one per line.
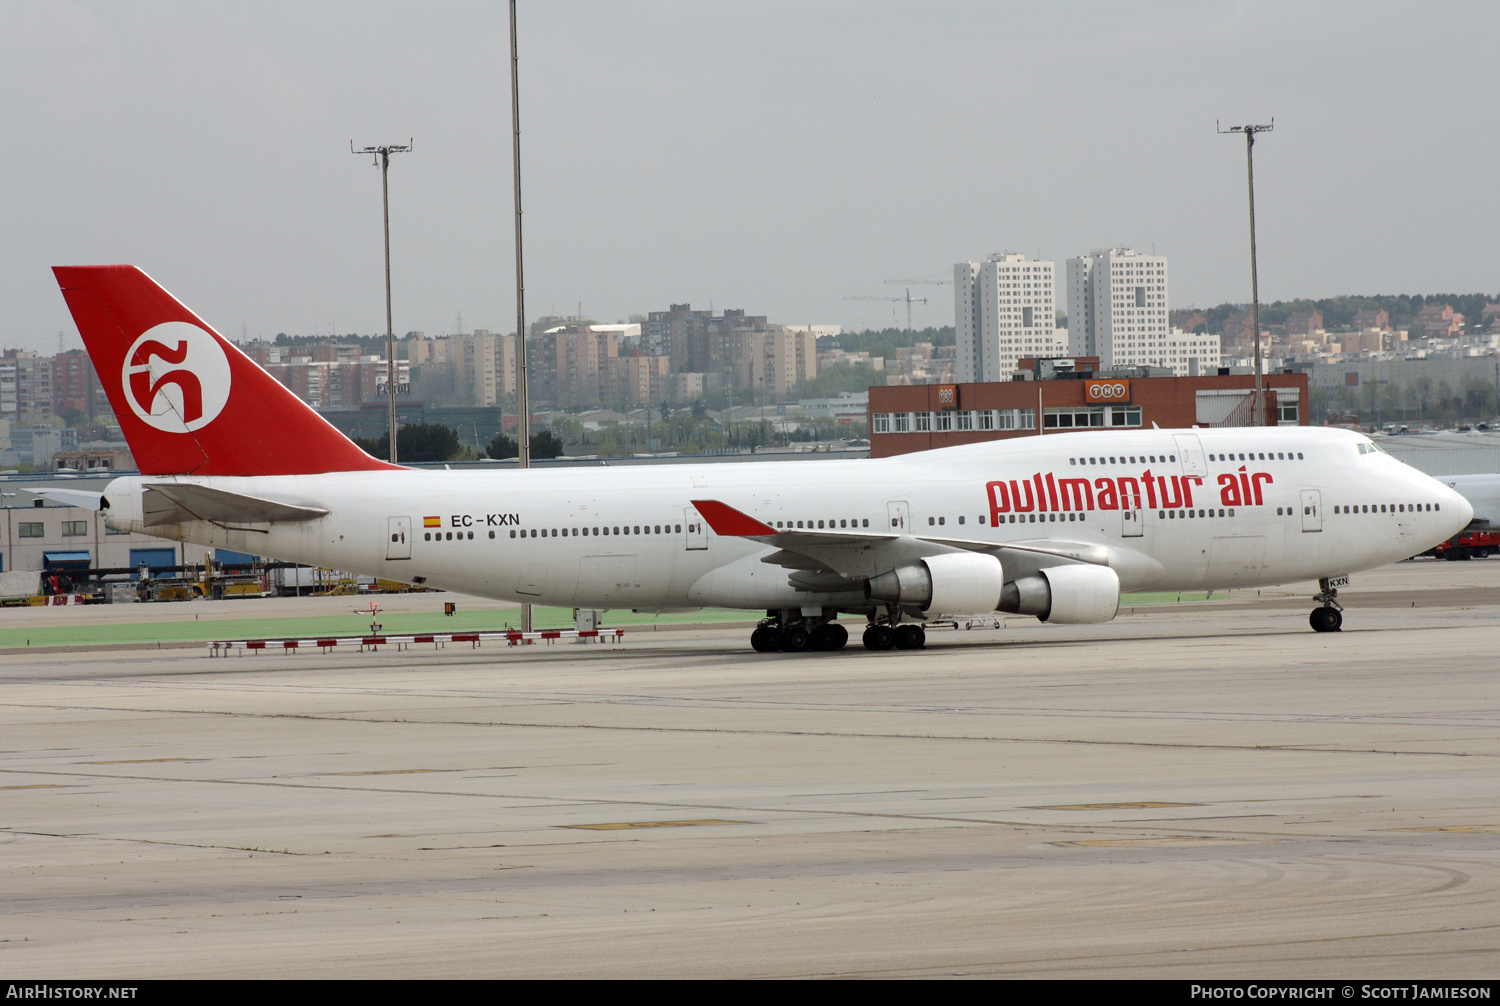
1131,524
900,513
692,528
1194,462
1312,510
398,531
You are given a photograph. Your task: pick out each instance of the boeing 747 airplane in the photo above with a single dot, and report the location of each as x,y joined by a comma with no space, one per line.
1052,526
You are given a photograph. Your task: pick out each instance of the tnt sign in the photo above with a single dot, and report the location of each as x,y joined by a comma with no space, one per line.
1112,392
947,396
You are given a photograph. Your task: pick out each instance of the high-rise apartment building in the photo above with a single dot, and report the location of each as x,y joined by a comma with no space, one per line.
26,385
75,387
640,379
1004,308
7,388
570,364
739,349
1117,307
1117,311
774,360
478,368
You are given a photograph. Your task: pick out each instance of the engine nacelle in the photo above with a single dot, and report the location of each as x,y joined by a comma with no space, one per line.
1066,595
956,583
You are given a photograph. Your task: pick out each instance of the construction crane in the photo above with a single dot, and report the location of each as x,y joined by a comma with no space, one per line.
922,282
909,300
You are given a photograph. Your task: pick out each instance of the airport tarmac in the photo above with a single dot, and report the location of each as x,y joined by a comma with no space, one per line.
1192,791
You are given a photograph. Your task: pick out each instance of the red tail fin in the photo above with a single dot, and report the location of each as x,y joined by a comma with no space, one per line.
189,402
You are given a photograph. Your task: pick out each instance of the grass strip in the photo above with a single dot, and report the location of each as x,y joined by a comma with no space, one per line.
396,623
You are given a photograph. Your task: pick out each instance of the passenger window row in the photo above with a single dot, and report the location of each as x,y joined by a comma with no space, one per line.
566,532
832,524
1382,508
1144,459
587,532
1161,458
1262,456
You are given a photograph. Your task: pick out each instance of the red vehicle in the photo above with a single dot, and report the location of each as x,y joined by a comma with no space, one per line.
1468,545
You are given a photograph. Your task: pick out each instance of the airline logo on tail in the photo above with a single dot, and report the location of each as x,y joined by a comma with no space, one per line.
176,377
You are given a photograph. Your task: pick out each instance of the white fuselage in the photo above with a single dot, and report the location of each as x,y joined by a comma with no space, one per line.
1266,506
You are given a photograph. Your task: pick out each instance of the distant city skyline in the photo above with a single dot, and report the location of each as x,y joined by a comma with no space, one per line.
776,157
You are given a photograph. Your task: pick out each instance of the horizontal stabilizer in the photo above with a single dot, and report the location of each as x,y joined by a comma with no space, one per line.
173,503
72,497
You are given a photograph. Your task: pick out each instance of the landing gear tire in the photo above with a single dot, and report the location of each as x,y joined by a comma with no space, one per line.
879,637
910,637
1326,619
830,636
765,639
794,639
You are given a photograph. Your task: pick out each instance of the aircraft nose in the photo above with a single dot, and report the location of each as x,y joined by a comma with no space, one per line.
1462,509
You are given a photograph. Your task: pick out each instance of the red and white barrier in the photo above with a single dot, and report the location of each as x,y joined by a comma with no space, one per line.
511,637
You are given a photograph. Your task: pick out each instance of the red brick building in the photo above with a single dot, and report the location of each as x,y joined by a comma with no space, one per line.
922,417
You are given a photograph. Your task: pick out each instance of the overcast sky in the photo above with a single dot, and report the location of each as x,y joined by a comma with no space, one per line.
775,156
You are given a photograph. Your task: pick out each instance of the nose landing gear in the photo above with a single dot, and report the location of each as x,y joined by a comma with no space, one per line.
1326,619
1330,616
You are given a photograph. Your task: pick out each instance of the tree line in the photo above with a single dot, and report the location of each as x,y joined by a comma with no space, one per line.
1422,400
433,442
1338,312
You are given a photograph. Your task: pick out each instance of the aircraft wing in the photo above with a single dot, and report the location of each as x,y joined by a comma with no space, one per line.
174,503
813,554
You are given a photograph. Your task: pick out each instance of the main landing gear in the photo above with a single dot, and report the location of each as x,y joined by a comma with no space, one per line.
1330,616
889,633
798,636
900,637
788,632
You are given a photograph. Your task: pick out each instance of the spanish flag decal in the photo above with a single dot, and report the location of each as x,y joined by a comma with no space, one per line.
432,522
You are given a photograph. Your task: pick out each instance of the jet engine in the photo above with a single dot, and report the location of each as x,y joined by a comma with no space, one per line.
1065,595
957,582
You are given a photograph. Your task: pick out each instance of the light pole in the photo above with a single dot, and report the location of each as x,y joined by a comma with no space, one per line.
382,156
523,406
1250,131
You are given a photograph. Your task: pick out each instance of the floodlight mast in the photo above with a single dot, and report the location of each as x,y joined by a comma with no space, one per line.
382,155
1250,131
523,406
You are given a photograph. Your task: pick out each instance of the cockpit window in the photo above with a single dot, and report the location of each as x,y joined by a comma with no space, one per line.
1369,448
